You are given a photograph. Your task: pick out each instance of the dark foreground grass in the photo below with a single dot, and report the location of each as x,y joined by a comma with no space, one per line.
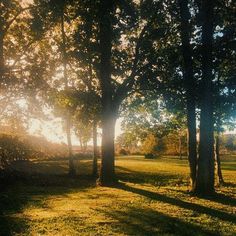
151,199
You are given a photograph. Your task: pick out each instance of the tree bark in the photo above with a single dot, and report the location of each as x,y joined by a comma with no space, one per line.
205,174
220,179
95,150
188,75
107,172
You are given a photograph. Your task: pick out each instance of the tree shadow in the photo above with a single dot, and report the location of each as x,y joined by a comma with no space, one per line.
31,167
217,197
156,179
180,203
33,190
222,198
145,221
11,225
229,184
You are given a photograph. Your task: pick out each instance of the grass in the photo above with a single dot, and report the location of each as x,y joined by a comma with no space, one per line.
150,199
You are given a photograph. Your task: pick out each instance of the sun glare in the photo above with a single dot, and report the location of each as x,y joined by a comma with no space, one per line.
53,131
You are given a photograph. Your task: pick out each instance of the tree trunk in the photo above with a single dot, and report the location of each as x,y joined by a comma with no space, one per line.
72,171
180,147
190,88
192,143
220,179
1,56
107,173
205,174
95,150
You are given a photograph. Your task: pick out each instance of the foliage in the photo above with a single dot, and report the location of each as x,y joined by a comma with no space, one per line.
228,142
149,156
123,152
153,145
12,149
127,142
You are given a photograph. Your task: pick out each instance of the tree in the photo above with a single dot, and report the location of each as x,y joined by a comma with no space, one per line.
86,120
47,17
127,142
107,174
190,85
224,72
16,44
153,146
112,58
72,170
205,174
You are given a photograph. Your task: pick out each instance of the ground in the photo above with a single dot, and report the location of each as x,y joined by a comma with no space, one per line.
151,198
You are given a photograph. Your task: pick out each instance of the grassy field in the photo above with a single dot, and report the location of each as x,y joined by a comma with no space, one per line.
151,199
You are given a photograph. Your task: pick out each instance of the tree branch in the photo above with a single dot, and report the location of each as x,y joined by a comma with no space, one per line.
127,85
15,17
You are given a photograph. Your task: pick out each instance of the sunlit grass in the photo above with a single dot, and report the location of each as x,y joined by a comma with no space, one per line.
151,199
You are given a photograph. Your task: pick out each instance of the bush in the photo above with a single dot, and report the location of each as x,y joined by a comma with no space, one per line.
149,156
123,152
153,145
12,149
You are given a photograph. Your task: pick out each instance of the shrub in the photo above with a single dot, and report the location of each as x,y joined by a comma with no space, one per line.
12,149
150,156
123,152
153,145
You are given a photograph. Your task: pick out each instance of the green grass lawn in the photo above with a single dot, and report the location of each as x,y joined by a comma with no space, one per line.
151,199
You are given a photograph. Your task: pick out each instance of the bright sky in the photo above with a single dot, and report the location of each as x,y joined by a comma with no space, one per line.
53,131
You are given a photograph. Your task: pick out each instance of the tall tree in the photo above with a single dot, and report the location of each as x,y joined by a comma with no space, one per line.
188,75
50,22
107,174
205,174
72,170
224,72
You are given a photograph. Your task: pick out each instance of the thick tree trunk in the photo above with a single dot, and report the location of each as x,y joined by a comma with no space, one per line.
190,88
95,150
205,174
220,179
107,173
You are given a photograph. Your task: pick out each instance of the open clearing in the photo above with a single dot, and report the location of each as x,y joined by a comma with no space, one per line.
150,199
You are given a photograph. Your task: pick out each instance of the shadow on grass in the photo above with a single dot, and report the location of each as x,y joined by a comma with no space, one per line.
228,184
33,190
31,167
217,197
222,198
156,179
183,204
11,225
145,221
